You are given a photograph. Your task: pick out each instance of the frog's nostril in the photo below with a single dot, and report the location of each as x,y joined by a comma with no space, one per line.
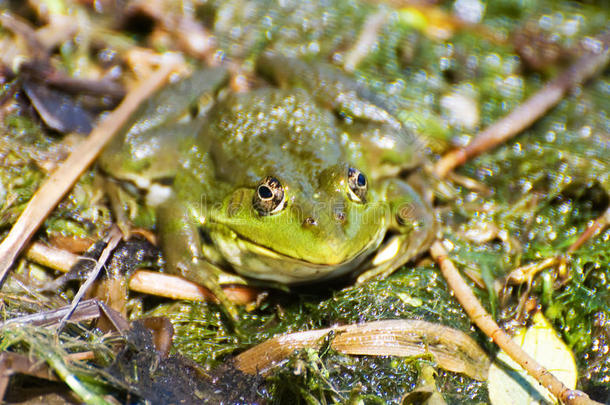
310,221
340,216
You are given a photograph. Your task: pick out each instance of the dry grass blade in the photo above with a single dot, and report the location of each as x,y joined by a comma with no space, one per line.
85,310
452,349
531,110
114,237
62,180
486,323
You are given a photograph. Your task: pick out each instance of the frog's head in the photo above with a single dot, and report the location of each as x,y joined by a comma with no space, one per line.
301,231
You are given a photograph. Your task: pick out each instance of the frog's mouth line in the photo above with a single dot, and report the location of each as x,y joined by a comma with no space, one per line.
272,253
291,270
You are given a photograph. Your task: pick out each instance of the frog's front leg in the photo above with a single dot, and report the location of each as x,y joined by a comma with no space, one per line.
182,249
413,228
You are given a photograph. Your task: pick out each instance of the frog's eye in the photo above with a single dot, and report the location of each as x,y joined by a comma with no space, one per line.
357,183
269,197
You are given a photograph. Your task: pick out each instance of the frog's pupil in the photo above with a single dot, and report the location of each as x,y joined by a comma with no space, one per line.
265,192
361,180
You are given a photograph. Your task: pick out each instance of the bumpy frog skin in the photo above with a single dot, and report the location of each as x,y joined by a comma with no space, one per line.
291,183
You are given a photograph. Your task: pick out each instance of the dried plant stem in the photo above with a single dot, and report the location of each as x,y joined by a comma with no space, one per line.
114,237
178,288
596,227
530,111
80,356
527,272
366,40
452,349
62,180
488,325
52,257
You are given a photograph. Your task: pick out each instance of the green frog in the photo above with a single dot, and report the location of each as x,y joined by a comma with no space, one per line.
297,181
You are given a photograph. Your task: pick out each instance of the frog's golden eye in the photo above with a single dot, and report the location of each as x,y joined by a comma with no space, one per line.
269,197
358,185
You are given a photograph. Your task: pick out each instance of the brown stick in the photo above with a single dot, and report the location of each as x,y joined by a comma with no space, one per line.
486,323
530,111
22,29
80,356
62,180
597,226
52,257
178,288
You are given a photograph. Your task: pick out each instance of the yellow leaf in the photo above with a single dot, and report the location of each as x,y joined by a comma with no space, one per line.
509,384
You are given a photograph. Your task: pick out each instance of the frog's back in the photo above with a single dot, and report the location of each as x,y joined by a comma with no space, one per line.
272,131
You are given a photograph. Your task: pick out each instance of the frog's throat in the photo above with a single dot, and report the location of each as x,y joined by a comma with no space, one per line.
253,260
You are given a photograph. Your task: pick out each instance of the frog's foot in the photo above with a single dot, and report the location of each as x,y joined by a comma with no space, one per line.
385,261
124,207
231,279
413,229
212,278
181,242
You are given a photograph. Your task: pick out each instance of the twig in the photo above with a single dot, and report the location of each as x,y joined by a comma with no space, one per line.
178,288
144,281
191,36
114,237
52,257
528,271
597,226
22,29
486,323
531,110
62,180
366,40
80,356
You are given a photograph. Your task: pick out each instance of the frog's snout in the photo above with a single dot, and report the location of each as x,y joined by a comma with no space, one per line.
321,215
311,222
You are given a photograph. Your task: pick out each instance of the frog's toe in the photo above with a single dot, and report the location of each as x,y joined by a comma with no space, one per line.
227,279
387,260
227,305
